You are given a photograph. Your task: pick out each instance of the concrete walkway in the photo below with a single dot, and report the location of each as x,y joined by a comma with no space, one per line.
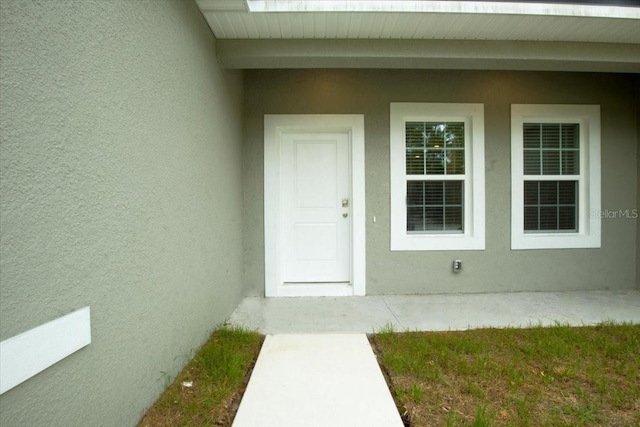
316,367
317,381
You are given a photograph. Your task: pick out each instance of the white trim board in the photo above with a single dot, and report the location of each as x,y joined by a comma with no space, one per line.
588,233
31,352
274,126
473,236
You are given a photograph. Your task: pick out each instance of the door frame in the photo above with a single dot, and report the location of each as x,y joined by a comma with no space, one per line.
274,126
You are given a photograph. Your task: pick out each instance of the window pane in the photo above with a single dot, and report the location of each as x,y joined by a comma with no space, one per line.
453,192
435,162
567,192
548,218
531,134
550,135
551,163
548,192
433,193
531,193
435,206
454,134
550,206
435,134
567,218
453,218
415,161
570,134
433,219
455,162
570,162
415,193
551,148
415,218
415,134
531,215
532,162
434,148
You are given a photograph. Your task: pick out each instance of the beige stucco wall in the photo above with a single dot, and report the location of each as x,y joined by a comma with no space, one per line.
497,268
121,171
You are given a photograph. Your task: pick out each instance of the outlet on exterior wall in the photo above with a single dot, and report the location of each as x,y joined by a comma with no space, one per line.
457,266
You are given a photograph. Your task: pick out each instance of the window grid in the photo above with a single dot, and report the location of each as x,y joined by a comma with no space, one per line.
471,116
434,168
435,206
551,148
579,140
434,148
550,206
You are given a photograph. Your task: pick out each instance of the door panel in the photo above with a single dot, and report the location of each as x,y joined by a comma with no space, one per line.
315,173
316,227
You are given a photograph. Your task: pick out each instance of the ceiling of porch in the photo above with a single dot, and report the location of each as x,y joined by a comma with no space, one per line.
424,34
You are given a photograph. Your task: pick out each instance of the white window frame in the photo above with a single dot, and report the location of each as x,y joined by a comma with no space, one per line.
588,234
473,235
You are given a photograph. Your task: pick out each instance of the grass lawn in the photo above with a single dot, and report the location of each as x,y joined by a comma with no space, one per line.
558,376
218,374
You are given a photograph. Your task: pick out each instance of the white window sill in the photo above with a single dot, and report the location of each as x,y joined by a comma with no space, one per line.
555,241
436,242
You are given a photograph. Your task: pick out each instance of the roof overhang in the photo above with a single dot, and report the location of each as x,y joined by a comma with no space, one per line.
425,34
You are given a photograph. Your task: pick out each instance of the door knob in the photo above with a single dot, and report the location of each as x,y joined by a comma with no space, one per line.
346,214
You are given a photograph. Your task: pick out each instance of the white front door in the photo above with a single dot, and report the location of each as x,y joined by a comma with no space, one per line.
315,198
314,213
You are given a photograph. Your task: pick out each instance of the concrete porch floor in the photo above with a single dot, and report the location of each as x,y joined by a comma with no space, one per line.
369,314
316,367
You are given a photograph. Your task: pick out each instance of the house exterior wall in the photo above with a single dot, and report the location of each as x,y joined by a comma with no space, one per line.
638,177
121,172
497,268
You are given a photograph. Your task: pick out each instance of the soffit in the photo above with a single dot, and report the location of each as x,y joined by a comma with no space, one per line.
417,20
373,21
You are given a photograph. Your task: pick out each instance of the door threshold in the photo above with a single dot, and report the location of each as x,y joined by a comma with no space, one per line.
315,289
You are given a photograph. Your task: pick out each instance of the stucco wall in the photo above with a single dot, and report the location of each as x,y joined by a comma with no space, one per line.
497,268
637,78
121,171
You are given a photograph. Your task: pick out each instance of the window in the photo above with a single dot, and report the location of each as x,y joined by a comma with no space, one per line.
555,171
437,176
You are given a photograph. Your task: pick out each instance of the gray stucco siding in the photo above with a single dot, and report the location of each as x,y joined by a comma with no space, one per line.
497,268
637,206
120,176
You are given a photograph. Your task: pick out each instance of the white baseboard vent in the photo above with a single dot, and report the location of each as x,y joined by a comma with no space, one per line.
33,351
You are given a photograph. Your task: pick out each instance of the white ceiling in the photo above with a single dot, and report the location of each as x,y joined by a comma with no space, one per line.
601,28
